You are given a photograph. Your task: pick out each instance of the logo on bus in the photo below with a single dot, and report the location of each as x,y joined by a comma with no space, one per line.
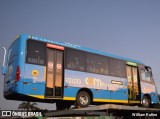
98,83
35,73
59,66
94,82
50,65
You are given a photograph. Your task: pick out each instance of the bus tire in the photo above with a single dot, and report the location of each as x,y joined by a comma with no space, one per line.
83,99
146,102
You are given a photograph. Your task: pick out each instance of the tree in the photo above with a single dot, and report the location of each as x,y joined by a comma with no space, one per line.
23,106
33,106
28,106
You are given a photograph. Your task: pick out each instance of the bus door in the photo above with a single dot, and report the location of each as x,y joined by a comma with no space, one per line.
133,87
54,71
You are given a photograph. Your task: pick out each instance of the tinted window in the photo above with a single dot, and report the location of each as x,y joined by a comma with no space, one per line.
97,64
145,75
117,68
93,63
35,52
75,60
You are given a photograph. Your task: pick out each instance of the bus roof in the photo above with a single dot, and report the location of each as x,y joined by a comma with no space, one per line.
65,44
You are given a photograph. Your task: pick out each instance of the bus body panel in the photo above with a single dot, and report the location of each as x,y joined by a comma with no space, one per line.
104,88
70,93
119,96
101,95
149,89
34,80
22,56
13,61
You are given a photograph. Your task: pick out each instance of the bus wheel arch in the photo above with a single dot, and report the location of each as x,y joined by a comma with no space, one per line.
146,101
84,94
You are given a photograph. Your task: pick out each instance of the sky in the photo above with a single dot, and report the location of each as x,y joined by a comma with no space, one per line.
128,28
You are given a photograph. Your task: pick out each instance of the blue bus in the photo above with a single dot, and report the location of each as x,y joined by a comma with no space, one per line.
42,70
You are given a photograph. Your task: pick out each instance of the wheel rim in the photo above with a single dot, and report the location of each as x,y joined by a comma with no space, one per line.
145,102
83,99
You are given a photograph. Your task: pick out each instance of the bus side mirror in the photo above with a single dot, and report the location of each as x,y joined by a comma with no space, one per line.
4,67
149,69
4,70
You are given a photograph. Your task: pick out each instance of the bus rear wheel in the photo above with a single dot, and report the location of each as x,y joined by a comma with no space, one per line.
146,102
83,99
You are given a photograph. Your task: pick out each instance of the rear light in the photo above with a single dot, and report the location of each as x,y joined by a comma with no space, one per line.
17,73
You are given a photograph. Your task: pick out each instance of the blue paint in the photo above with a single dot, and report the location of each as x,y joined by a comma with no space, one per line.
150,90
25,36
29,89
70,91
28,73
119,95
103,89
12,63
93,81
37,82
101,94
18,87
35,85
4,70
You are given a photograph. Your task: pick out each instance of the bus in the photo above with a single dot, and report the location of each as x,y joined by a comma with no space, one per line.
43,70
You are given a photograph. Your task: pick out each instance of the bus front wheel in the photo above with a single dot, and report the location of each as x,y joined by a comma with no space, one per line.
146,102
83,99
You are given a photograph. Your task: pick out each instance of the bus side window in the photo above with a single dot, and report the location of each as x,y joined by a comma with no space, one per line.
75,60
97,64
90,65
145,75
142,74
35,52
117,68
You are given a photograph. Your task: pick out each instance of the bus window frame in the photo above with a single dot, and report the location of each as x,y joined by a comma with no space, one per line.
66,59
99,56
110,59
85,53
26,52
151,78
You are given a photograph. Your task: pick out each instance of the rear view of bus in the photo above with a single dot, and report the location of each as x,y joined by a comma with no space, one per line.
11,69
